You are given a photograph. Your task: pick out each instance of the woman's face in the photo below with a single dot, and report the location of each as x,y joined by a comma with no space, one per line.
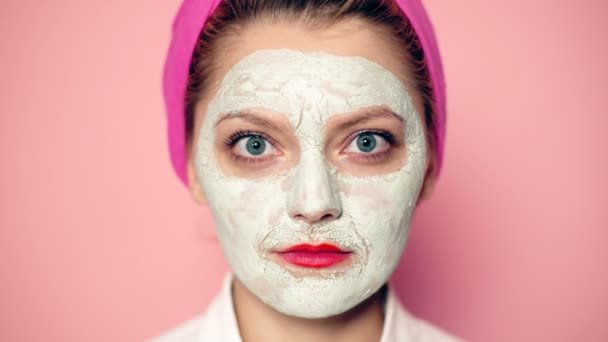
311,154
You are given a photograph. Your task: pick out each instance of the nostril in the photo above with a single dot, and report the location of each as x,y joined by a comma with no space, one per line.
332,215
299,217
327,215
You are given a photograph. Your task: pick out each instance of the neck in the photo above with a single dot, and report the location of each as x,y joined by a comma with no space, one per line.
259,322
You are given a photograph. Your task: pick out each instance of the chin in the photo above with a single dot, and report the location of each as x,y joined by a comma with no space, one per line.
316,297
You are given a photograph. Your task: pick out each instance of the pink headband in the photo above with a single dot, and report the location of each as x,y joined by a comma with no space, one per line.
190,20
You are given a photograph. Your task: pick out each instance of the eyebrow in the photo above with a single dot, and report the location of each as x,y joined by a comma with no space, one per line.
369,114
249,117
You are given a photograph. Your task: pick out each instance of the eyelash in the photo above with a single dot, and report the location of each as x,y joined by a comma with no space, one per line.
370,157
240,134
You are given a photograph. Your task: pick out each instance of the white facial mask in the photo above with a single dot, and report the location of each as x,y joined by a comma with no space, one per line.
252,215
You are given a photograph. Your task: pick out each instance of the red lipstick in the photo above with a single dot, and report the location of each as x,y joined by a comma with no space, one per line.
317,256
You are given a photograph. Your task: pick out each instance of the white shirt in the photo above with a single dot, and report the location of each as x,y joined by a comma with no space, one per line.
218,323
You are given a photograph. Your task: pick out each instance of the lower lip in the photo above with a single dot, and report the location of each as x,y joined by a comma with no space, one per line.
315,259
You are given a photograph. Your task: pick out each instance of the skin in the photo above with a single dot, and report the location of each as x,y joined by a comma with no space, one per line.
257,321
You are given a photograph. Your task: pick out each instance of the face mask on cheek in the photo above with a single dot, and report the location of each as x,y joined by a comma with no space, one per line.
256,216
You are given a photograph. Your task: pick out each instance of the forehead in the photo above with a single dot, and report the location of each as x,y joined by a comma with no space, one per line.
291,81
347,37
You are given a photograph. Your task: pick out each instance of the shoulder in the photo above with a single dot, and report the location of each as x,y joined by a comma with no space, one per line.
423,331
217,323
209,326
401,325
187,331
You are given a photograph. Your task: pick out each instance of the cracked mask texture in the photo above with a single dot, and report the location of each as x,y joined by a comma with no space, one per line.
252,215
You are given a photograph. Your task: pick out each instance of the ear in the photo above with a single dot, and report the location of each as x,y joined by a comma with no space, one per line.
195,187
429,179
427,188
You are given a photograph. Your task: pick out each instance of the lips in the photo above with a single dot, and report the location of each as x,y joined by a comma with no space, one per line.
314,256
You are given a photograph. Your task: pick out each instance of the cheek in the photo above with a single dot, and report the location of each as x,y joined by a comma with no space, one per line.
275,215
380,207
245,208
366,199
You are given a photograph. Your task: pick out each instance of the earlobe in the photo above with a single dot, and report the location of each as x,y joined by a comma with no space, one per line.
427,188
195,187
429,180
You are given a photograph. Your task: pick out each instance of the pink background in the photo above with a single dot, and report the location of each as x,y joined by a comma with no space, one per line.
100,241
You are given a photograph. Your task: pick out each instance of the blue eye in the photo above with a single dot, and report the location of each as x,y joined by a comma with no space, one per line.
368,142
253,145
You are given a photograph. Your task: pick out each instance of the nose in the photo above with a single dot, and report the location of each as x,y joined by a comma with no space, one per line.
312,196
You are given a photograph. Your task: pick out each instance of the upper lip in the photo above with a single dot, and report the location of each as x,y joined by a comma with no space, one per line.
317,248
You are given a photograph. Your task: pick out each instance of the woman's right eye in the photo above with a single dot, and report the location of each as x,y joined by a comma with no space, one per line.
253,146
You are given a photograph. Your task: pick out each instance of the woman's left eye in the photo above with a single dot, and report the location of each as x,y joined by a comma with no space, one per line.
368,143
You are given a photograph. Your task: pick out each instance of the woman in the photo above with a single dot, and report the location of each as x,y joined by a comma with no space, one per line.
312,129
